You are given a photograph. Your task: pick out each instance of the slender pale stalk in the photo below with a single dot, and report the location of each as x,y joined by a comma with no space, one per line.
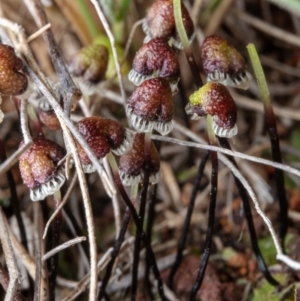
40,286
4,281
68,244
274,139
221,150
24,121
10,260
113,47
186,44
5,166
71,94
57,209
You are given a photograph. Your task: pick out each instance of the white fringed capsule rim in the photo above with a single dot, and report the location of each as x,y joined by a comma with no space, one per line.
126,145
54,184
222,132
141,125
164,128
128,180
241,80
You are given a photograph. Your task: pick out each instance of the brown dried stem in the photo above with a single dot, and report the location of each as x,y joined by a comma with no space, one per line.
71,94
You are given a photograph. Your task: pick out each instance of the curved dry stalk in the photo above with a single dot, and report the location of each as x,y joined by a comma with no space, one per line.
24,121
130,38
113,47
38,32
22,253
40,287
4,281
114,200
10,259
71,94
280,255
5,166
269,29
202,145
65,199
88,212
63,246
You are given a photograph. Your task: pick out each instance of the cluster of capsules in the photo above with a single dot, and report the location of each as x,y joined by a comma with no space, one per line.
41,165
155,72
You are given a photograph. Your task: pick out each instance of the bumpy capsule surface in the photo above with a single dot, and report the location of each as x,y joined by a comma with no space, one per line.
155,59
102,135
49,119
39,169
132,164
160,22
89,66
151,106
214,99
224,64
12,80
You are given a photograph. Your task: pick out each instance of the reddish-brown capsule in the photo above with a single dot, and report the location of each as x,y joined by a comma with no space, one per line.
89,66
151,106
102,135
224,64
160,22
132,164
46,114
12,80
214,99
155,59
49,119
39,170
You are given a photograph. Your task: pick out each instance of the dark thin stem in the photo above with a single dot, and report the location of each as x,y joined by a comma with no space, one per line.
193,66
248,214
143,234
183,103
185,229
70,92
149,227
55,241
271,126
210,225
106,297
138,238
114,253
279,177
